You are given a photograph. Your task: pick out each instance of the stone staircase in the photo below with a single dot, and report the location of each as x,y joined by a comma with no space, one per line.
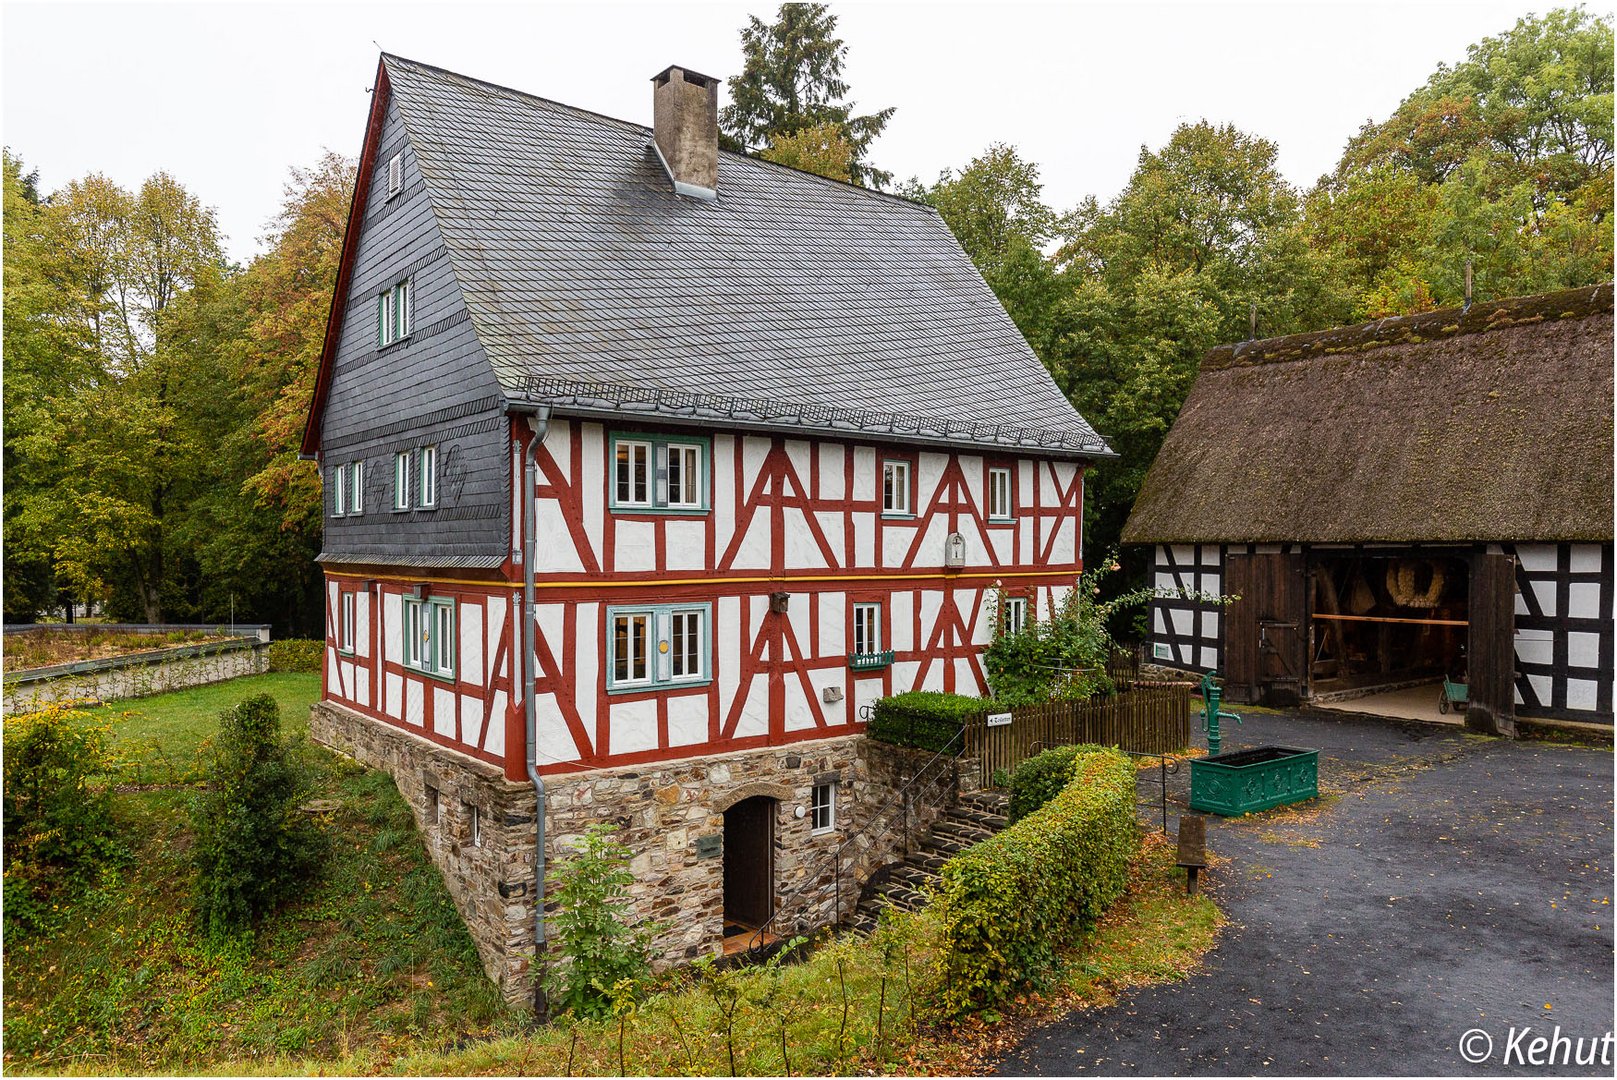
978,816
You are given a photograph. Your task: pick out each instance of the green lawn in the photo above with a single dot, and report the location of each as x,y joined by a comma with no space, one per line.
161,735
371,958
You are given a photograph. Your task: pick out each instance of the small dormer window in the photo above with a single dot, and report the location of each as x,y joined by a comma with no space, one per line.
395,175
395,313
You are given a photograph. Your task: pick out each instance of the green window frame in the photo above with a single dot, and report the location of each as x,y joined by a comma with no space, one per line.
658,646
660,474
345,622
427,490
401,480
430,644
339,505
395,313
356,488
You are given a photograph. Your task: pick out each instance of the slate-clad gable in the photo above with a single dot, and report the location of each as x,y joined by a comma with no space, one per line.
434,388
579,266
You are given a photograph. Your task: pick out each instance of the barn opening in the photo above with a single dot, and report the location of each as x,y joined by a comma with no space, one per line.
749,867
1387,628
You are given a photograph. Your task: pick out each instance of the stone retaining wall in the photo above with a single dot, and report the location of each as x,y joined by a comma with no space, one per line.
668,814
490,876
137,674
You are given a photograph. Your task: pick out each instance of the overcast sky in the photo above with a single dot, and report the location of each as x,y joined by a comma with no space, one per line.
228,96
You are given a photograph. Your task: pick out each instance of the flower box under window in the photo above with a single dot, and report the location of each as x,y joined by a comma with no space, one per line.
870,661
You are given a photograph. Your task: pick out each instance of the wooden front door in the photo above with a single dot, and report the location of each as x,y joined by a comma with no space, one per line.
749,862
1265,635
1491,649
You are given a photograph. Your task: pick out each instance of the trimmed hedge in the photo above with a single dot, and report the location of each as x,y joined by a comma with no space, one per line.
923,719
1041,777
297,654
1008,904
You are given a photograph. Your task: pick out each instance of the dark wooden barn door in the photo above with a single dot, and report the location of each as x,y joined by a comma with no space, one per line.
1265,652
1491,649
749,870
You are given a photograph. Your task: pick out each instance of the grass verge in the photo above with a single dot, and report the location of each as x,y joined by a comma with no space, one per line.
1153,934
371,956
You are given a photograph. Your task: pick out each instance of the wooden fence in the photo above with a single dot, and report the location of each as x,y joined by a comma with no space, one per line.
1154,720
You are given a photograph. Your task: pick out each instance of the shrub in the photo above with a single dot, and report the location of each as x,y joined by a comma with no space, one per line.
1009,903
924,719
252,842
58,824
599,949
297,654
1041,777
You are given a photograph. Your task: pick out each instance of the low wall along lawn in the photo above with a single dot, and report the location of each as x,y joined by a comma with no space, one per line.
138,674
1008,904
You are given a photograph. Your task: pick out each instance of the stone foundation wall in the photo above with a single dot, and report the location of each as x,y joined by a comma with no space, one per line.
489,875
671,817
136,675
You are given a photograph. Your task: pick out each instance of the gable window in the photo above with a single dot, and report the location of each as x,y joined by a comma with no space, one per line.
345,623
657,473
895,487
395,175
999,495
338,503
661,646
429,636
356,487
395,315
823,808
401,481
1015,617
429,477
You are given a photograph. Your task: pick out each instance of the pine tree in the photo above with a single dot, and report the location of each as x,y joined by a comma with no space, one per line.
791,79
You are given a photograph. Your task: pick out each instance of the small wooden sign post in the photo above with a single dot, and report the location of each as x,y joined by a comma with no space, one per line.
1192,848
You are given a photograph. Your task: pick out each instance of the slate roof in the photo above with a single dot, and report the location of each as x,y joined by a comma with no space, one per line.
792,301
1494,424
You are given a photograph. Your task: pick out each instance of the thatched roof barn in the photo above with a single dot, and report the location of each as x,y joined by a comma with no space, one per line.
1352,455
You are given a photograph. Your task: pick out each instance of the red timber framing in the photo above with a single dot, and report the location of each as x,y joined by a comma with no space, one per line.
784,515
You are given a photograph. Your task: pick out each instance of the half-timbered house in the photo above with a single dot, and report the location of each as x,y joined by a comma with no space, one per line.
648,467
1394,504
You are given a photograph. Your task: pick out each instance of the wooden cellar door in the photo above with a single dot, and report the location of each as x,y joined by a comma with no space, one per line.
1266,630
749,870
1491,649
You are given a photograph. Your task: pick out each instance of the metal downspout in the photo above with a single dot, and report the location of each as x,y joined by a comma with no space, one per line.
538,423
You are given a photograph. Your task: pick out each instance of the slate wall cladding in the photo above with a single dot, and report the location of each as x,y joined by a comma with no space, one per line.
662,811
433,388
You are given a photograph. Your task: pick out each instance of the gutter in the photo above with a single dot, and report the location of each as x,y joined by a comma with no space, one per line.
538,423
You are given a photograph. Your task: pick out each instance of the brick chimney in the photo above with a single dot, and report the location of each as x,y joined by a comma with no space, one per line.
685,117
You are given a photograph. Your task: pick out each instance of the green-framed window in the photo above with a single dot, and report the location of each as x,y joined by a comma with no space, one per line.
429,636
658,646
427,458
356,487
660,473
339,501
345,622
395,313
401,480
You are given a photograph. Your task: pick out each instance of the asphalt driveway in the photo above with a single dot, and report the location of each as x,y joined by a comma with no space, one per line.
1445,882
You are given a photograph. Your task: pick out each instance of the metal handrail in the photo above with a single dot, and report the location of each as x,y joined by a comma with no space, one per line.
900,797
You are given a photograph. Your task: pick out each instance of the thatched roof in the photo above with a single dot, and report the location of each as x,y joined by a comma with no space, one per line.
1495,424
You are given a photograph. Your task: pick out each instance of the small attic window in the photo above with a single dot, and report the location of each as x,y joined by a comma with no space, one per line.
395,174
